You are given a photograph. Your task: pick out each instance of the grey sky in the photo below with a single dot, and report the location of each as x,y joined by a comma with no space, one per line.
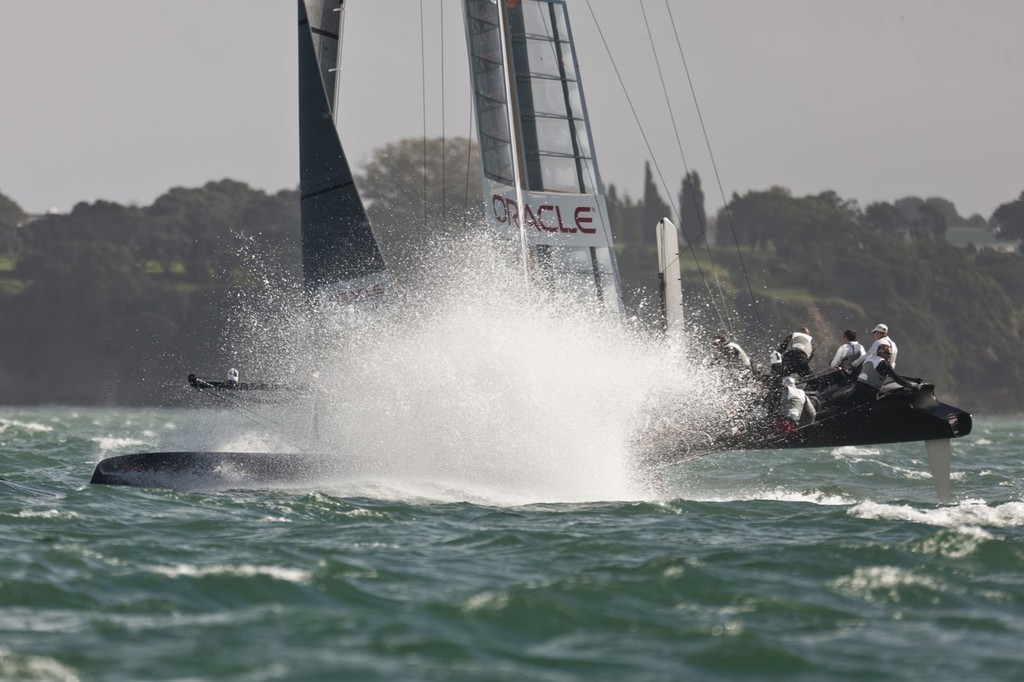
875,99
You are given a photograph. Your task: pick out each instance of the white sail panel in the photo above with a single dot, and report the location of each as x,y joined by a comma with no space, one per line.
549,218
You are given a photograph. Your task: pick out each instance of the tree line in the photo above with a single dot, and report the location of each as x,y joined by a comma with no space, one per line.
114,304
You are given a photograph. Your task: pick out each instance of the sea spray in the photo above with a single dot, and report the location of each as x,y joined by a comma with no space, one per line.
478,382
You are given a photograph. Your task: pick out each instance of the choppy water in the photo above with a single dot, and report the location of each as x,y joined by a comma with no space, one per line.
799,565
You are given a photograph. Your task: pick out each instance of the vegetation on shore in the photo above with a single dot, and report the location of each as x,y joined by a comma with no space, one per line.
115,304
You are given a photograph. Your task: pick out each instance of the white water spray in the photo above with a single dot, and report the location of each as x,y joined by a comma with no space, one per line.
470,386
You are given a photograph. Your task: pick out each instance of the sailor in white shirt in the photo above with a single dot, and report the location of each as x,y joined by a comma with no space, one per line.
850,351
882,338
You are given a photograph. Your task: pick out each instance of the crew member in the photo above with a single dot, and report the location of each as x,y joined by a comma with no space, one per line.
873,372
795,408
730,352
881,334
797,351
830,383
849,351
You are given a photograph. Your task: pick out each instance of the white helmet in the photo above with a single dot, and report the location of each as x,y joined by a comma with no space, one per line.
232,374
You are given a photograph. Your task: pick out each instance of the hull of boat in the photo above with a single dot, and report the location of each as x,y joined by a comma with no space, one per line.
901,417
199,471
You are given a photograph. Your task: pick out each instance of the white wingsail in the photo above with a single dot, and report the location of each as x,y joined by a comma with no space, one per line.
541,181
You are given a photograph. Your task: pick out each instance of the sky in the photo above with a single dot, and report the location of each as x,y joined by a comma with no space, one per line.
122,100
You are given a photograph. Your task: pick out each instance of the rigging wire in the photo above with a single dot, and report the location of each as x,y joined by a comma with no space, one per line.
724,316
636,118
257,419
714,166
444,157
423,91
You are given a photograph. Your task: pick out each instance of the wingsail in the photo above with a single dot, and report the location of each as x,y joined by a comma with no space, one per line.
541,180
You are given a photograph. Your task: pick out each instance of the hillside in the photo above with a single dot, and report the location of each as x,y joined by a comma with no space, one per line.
113,304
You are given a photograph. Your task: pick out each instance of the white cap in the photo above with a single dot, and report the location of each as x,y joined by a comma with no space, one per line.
880,328
232,374
788,381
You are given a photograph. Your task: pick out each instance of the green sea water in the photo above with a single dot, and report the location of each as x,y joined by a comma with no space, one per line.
827,564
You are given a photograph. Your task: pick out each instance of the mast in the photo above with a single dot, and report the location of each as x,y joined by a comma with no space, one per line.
517,147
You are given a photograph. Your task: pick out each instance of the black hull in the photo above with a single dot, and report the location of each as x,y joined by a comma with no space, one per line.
901,416
200,471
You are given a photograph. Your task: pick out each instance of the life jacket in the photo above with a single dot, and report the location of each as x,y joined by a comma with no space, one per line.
792,404
852,351
800,341
870,373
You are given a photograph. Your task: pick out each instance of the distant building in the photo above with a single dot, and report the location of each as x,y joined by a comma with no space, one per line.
32,217
979,237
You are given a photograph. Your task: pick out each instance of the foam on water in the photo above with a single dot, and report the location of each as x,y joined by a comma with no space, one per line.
966,514
19,666
243,570
108,443
33,427
884,583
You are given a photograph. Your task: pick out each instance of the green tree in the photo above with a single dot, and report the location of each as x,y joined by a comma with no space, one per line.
205,229
693,221
947,209
10,212
415,189
1009,219
930,222
654,207
885,218
761,218
107,299
636,253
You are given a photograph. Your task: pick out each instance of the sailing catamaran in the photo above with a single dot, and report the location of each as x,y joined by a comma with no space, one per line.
542,189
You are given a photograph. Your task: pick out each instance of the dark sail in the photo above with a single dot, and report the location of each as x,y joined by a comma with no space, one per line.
339,251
